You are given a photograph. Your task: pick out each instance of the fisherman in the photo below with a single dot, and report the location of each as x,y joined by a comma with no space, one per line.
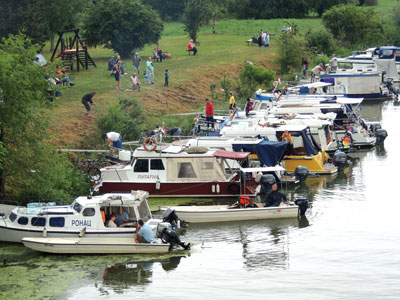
274,198
122,217
144,233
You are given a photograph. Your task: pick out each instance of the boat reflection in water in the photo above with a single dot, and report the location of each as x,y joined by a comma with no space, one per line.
121,277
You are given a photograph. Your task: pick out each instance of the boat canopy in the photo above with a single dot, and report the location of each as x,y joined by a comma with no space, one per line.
310,145
269,153
132,199
262,169
231,155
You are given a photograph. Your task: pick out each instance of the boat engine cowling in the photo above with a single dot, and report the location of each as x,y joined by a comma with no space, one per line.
170,217
302,203
170,236
301,173
266,182
340,159
380,135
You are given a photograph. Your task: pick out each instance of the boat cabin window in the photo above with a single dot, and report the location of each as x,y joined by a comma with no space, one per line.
40,221
88,212
186,170
12,217
156,164
141,165
387,53
207,165
23,221
144,211
57,222
77,207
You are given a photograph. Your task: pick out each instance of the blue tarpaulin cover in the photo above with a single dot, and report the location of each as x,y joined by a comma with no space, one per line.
269,153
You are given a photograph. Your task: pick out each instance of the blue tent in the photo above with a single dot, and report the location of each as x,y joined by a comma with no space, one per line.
269,153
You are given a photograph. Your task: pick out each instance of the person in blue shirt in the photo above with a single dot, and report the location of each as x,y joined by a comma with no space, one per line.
144,233
122,217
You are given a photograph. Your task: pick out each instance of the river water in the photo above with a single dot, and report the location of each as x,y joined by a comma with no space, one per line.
347,247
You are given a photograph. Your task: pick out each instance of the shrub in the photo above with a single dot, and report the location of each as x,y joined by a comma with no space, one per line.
320,41
290,51
353,24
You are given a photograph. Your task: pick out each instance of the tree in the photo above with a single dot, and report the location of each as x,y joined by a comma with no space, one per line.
37,19
353,24
320,6
290,51
268,9
122,25
169,10
197,14
29,166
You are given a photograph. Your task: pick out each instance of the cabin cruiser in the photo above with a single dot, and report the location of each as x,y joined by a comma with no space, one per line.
306,151
167,170
86,216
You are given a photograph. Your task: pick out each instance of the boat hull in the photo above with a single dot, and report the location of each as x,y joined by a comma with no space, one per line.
93,246
177,189
15,235
221,213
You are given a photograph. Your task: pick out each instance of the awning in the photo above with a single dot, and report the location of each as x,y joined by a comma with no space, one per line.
231,154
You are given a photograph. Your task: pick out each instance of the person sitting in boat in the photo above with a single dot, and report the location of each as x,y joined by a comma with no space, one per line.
144,234
286,136
274,198
111,222
122,217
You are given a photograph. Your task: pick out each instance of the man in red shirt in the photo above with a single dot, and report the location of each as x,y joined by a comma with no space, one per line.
209,113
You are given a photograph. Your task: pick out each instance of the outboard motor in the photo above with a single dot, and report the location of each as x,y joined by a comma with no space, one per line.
170,236
171,217
380,135
301,173
302,203
339,159
267,181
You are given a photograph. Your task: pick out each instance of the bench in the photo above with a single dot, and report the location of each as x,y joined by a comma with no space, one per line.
188,51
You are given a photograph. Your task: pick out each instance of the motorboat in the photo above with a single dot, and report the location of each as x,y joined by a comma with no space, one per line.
87,245
178,171
225,213
85,217
306,151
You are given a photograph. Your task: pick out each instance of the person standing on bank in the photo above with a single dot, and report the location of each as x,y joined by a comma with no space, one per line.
274,198
117,69
232,103
150,70
166,77
87,100
209,113
114,140
136,62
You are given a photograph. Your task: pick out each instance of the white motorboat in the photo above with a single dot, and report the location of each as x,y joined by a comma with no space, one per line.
225,213
84,217
86,245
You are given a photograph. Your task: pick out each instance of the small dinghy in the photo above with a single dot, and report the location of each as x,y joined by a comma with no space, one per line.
85,245
226,213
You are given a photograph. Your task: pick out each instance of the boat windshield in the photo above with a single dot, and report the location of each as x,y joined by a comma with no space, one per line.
77,207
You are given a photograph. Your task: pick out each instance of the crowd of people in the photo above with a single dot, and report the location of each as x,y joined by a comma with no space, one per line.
262,40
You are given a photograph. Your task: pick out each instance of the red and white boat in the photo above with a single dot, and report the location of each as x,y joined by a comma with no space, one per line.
176,171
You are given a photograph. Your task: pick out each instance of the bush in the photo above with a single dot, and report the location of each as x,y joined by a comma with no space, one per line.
257,76
319,59
320,41
125,117
353,24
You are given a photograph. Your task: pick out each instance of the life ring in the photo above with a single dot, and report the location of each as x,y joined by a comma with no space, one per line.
148,142
234,188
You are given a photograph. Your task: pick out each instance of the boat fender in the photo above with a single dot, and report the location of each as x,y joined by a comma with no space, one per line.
218,189
150,144
234,188
213,188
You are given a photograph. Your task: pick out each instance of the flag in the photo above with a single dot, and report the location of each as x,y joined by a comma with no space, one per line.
165,130
97,185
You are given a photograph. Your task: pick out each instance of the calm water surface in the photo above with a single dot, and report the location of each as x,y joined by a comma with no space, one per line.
347,247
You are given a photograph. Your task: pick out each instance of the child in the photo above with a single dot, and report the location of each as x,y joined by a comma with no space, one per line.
166,77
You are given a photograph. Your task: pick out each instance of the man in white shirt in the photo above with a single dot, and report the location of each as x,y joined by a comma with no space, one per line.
333,63
114,140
